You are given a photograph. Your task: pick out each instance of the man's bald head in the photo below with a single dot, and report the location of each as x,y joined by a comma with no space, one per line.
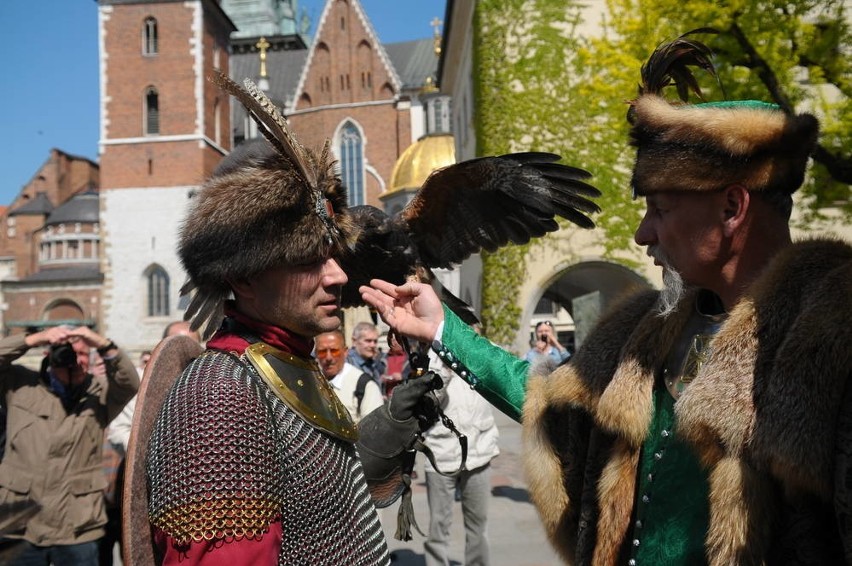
181,327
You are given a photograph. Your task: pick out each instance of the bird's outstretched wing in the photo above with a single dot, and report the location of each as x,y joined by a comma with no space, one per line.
488,202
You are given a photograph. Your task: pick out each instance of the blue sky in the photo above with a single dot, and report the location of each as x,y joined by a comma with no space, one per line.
50,75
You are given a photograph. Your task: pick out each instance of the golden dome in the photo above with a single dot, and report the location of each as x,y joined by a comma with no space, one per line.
420,159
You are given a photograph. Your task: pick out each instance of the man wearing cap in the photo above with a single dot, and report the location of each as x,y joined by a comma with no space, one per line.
709,423
253,458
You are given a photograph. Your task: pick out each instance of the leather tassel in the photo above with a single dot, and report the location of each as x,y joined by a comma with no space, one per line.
405,518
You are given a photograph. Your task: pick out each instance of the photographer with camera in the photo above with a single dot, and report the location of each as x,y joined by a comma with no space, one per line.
546,345
51,477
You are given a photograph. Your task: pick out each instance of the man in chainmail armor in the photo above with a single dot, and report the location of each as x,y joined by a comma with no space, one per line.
253,459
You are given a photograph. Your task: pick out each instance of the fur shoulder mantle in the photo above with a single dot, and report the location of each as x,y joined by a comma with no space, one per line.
773,386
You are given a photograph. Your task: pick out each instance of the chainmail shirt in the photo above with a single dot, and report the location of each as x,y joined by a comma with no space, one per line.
227,458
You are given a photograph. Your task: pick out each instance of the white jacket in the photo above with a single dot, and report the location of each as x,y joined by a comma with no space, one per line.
472,415
344,384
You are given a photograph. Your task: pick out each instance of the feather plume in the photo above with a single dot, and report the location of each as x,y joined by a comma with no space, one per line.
670,64
205,311
273,126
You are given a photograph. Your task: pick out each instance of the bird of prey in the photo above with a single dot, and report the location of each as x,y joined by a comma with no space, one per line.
481,204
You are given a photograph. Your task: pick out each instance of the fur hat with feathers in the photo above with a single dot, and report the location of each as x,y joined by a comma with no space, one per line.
259,210
704,147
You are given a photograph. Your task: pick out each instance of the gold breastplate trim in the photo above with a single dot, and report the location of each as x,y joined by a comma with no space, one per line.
301,386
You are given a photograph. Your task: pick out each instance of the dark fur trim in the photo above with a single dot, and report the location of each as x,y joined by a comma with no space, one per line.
255,214
704,148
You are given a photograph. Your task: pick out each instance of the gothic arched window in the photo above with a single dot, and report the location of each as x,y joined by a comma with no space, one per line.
149,37
158,291
152,111
352,163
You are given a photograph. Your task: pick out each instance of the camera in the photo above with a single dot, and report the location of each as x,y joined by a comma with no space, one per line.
62,356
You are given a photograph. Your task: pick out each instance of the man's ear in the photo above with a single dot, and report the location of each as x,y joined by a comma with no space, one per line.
735,205
242,288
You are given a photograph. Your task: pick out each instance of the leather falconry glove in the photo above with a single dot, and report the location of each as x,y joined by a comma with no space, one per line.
386,443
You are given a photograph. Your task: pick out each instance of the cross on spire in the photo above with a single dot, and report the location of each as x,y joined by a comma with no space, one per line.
263,45
436,26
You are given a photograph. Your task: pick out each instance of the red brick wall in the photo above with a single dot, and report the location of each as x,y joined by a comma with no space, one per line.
164,164
172,73
26,305
345,49
61,177
347,52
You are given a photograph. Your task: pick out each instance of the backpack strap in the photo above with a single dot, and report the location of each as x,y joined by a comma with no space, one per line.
361,387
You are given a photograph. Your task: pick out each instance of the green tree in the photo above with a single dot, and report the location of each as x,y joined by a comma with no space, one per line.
541,85
795,53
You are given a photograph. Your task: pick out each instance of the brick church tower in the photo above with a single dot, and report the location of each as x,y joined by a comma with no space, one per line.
164,128
349,91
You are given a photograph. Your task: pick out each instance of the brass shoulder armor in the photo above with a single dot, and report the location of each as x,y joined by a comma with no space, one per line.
301,386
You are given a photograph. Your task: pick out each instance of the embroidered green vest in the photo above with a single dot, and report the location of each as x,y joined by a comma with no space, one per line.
671,513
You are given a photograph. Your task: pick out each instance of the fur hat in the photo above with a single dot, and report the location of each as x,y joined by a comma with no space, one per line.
268,204
704,147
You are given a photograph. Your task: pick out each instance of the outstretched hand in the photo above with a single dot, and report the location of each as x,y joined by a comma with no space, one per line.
412,309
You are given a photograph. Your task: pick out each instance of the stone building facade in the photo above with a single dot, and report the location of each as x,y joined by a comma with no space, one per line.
25,237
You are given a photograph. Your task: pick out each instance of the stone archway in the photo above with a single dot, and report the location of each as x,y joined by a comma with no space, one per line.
576,296
64,311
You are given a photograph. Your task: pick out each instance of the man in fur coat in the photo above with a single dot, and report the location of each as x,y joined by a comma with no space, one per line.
709,423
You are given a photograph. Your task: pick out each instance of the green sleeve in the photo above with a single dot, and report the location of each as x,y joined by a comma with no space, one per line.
497,375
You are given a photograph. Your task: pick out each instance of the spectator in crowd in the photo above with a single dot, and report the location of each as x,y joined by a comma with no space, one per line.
51,478
364,353
473,417
357,390
144,358
546,345
181,327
